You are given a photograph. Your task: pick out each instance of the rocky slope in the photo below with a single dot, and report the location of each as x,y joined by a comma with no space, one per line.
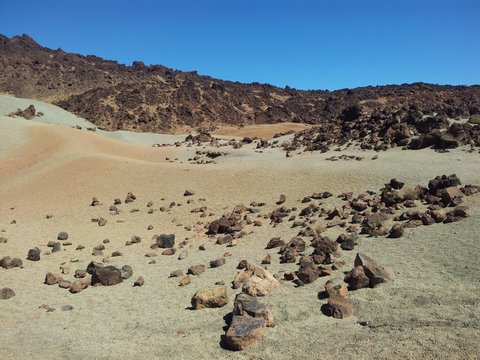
158,99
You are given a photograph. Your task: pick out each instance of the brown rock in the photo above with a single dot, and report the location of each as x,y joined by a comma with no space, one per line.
217,263
170,251
52,279
185,281
275,242
210,298
6,293
396,231
267,260
336,287
139,282
64,284
196,269
338,307
356,278
376,274
260,283
308,275
246,305
244,331
176,273
108,275
77,286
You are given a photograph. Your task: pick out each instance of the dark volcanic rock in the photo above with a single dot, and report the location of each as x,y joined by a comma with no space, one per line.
108,275
6,293
33,254
166,241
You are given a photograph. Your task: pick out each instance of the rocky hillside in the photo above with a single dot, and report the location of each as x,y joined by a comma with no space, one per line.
158,99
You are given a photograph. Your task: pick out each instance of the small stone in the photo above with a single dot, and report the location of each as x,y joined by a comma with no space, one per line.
62,236
67,308
80,274
6,293
56,247
116,253
77,286
170,251
189,193
196,269
176,273
34,254
217,263
183,255
166,240
139,282
52,279
210,298
102,221
126,272
396,231
267,260
64,284
185,281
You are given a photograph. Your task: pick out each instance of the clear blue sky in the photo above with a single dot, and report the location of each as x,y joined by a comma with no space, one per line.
304,44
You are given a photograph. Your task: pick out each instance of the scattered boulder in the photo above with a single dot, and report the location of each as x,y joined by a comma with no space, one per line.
246,305
34,254
165,241
244,331
396,231
338,307
107,276
260,283
62,236
217,263
196,269
210,298
52,279
336,287
77,286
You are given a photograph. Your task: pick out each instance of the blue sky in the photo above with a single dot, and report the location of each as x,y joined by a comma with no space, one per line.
303,44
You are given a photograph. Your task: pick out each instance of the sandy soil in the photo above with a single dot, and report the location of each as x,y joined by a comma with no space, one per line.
430,311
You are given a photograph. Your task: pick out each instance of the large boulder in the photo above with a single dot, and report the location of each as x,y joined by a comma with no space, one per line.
338,307
246,305
34,254
260,283
375,273
166,240
244,331
210,298
108,275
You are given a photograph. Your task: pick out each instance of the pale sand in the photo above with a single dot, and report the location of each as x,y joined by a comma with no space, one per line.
431,311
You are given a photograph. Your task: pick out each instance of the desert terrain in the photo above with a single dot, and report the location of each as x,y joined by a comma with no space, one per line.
50,170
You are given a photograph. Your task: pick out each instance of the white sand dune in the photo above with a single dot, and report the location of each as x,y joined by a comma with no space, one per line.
430,312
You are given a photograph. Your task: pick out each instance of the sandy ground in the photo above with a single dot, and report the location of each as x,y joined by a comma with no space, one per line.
431,311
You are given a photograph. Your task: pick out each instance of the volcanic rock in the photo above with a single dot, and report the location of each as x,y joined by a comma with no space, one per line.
210,298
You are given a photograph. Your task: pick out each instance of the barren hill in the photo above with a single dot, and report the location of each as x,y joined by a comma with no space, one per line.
158,99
